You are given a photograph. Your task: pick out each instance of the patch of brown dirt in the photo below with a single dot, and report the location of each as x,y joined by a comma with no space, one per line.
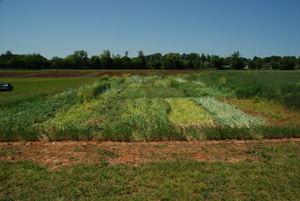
61,74
68,153
17,74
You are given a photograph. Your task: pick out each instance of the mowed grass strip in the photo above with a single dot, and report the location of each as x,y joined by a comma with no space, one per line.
186,112
273,176
25,88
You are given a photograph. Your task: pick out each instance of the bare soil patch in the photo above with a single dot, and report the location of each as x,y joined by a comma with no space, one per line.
68,153
16,74
61,74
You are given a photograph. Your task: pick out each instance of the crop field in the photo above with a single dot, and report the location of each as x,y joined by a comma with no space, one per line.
211,105
160,136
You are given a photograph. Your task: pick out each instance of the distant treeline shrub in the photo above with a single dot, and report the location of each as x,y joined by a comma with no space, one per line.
171,61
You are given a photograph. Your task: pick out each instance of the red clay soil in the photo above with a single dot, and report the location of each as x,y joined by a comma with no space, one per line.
17,74
61,74
46,74
68,153
89,74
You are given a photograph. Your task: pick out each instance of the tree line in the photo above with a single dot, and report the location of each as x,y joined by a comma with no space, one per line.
171,61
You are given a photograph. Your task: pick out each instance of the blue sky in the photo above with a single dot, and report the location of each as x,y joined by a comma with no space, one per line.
59,27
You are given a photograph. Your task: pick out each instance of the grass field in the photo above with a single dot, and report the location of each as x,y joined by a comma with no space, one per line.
157,107
37,87
169,110
266,171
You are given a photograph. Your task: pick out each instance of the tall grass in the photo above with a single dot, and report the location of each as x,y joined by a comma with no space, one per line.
19,133
199,89
226,114
141,118
78,114
28,116
278,85
70,132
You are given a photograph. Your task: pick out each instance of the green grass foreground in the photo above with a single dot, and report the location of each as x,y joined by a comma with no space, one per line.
274,176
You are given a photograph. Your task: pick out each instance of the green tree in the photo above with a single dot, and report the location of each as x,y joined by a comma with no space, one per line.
203,58
227,61
191,64
298,63
172,61
287,63
142,60
237,62
275,58
217,62
118,62
126,61
184,56
251,64
95,62
4,58
156,64
275,62
236,55
258,62
36,61
57,63
208,58
135,63
106,59
275,65
8,55
78,60
154,61
16,62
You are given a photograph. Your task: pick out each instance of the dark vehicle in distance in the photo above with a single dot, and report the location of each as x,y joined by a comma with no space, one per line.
6,87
